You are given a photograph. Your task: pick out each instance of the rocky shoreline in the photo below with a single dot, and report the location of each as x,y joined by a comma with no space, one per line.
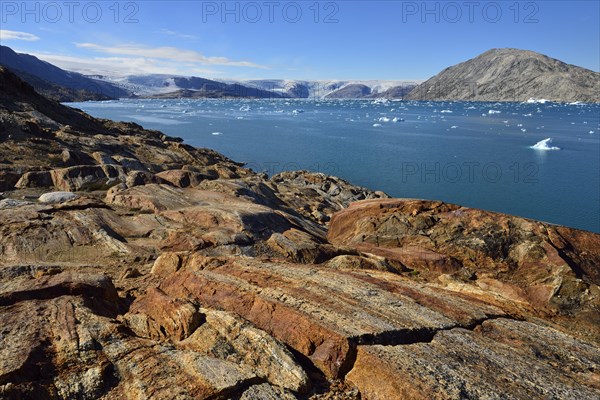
134,266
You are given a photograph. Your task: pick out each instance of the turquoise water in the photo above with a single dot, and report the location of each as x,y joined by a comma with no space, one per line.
474,154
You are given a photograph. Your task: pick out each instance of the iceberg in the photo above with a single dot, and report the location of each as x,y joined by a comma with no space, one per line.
543,145
536,101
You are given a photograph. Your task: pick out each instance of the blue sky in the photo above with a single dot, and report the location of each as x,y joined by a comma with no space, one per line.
395,40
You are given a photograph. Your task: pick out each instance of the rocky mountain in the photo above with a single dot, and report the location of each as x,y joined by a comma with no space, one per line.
194,87
511,75
59,93
57,83
351,91
135,266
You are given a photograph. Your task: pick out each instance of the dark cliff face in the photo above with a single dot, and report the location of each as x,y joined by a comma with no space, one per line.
511,75
352,91
55,82
166,271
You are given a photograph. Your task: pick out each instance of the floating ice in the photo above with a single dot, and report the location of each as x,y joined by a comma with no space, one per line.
384,119
536,101
494,112
446,111
376,125
396,119
543,145
453,127
297,111
217,133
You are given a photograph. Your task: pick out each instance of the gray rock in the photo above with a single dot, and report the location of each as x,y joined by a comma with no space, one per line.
57,197
265,391
11,203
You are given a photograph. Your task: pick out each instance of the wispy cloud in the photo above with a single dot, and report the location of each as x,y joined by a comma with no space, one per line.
122,66
15,35
177,34
167,53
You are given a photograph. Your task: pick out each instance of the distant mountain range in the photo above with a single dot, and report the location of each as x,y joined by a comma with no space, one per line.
511,75
496,75
167,86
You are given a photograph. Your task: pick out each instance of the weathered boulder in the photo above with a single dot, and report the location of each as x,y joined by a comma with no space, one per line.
57,197
170,262
87,177
35,179
181,178
8,179
224,335
157,316
138,178
301,247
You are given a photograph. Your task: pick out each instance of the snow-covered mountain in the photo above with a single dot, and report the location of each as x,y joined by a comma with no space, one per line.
163,85
327,89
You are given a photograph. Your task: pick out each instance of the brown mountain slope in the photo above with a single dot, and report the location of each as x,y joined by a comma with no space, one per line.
511,75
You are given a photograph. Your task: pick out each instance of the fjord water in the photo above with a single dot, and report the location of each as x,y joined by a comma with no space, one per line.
480,155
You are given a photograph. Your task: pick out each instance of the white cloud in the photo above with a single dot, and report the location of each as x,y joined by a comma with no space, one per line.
15,35
177,34
167,53
122,66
